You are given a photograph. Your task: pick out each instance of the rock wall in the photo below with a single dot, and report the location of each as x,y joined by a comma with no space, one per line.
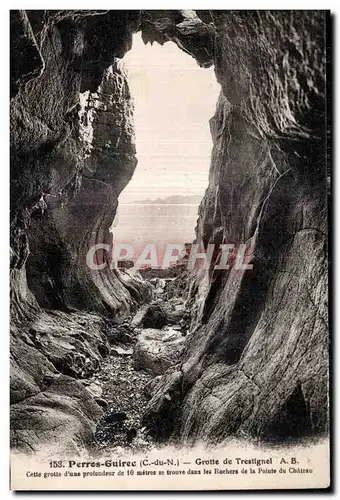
57,267
256,362
72,152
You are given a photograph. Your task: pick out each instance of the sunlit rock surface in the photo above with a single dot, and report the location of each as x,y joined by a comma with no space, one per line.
72,152
50,409
256,363
157,350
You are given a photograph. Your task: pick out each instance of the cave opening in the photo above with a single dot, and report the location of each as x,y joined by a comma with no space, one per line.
174,99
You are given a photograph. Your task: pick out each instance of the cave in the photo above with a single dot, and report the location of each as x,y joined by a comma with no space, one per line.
237,339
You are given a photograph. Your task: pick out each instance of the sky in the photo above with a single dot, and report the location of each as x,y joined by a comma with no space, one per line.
174,99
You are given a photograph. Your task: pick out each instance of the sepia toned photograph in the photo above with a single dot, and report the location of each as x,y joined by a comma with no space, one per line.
170,181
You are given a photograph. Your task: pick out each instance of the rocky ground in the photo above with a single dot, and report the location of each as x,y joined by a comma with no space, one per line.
82,382
121,390
141,350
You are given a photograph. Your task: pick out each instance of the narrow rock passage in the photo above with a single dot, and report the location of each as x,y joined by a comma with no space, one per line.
122,388
137,358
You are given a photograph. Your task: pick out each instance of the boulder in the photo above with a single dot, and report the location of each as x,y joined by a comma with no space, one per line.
60,419
157,350
154,317
120,334
51,412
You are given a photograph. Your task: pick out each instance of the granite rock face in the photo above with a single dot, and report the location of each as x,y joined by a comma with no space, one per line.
184,28
51,411
65,128
256,362
72,152
77,223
